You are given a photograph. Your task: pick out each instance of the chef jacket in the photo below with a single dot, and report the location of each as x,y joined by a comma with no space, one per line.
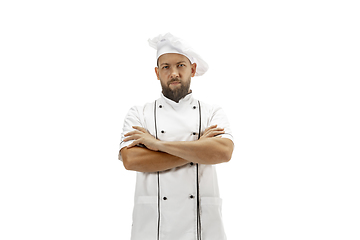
182,203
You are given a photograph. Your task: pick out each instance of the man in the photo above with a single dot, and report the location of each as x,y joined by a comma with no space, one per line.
173,144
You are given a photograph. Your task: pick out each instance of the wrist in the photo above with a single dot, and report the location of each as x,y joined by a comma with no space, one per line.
160,145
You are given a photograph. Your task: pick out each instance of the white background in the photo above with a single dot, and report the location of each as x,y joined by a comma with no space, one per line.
285,72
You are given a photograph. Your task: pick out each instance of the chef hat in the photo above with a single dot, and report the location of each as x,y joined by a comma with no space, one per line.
170,44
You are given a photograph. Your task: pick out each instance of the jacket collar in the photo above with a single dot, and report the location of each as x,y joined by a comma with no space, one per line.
187,100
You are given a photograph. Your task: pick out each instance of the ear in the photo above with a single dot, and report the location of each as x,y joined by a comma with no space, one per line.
193,69
157,73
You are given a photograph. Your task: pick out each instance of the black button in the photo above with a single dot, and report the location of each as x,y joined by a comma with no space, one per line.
191,163
160,106
194,107
194,133
191,196
165,198
162,131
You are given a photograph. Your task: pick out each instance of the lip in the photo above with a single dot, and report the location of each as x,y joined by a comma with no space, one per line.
175,83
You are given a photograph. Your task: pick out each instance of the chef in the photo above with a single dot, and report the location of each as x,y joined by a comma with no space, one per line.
174,143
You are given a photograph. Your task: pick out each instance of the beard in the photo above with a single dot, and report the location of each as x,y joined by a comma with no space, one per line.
178,93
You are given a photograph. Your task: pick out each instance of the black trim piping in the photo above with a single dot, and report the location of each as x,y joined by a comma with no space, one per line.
155,120
198,221
158,230
158,179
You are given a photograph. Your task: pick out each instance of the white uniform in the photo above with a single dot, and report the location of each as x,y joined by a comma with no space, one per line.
182,203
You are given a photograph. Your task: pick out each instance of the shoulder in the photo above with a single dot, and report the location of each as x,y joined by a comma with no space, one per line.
210,108
214,114
141,110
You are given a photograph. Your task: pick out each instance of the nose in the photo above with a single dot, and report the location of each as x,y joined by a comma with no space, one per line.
174,73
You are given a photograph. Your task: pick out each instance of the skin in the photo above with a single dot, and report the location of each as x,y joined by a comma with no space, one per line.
174,71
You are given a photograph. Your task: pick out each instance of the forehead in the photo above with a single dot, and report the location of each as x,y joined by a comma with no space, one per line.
172,58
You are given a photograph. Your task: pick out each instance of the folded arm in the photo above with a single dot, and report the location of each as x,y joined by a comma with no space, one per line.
144,160
207,151
162,155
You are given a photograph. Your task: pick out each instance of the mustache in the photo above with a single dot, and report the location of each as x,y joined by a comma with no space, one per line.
174,80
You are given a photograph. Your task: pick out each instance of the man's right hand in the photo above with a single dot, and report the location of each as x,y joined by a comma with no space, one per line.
212,131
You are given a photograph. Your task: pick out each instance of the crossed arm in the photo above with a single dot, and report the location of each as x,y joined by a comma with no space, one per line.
161,155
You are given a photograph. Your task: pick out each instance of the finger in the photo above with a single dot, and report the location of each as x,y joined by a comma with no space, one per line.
212,126
214,130
127,139
132,137
139,128
133,144
215,133
207,130
212,134
131,133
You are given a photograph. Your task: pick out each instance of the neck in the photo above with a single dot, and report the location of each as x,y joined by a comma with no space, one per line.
175,96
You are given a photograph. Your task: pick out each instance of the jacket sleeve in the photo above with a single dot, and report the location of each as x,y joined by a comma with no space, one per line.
133,118
218,117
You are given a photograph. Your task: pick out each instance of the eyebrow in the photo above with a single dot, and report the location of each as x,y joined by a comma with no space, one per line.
176,63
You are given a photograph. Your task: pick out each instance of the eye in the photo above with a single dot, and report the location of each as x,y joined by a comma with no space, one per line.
165,67
181,65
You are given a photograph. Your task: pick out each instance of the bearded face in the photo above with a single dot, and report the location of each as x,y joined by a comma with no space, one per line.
174,72
176,89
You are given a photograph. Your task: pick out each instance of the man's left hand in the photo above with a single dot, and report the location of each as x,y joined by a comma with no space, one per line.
141,136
